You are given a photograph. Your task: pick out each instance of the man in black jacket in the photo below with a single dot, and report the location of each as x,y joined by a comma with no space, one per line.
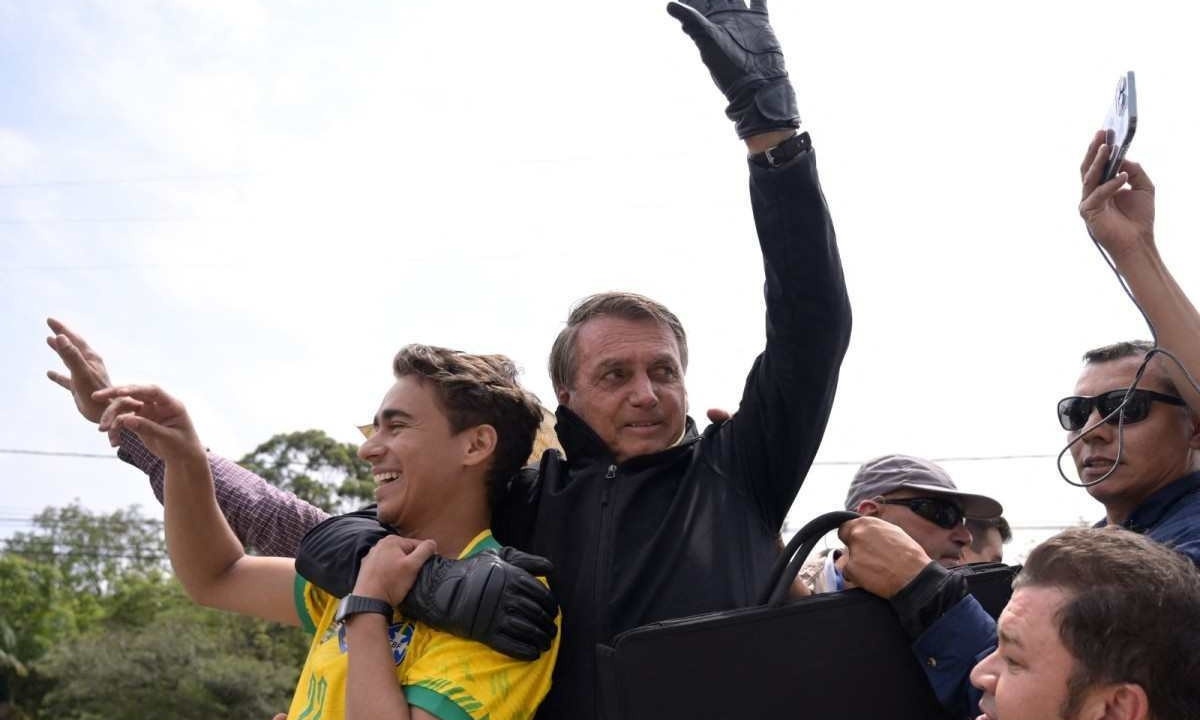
645,518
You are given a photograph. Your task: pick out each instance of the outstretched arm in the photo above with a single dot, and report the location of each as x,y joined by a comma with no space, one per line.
770,442
208,559
1119,214
262,516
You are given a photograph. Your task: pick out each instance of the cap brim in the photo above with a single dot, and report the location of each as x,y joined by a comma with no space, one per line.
977,507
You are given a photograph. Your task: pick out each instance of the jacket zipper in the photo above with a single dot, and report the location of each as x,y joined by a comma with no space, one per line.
602,569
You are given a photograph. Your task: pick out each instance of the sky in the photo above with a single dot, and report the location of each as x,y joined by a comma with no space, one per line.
255,204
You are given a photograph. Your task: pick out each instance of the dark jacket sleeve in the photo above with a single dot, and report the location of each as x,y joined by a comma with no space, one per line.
950,648
769,444
951,633
331,553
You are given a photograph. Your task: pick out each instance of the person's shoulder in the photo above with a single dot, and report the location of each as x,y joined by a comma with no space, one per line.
448,670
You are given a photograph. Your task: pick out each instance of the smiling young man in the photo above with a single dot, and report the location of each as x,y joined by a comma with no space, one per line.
1103,624
451,426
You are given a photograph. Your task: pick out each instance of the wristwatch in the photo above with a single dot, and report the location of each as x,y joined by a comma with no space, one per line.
357,604
784,152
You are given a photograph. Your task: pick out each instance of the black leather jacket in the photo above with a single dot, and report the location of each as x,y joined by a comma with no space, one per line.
693,528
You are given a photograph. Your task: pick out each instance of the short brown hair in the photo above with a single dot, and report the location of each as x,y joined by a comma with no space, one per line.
1132,615
624,305
479,390
1122,350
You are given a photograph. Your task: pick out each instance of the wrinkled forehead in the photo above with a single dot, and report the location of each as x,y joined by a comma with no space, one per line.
606,339
1102,377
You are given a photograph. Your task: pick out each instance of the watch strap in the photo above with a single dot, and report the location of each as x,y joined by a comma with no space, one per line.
784,152
358,604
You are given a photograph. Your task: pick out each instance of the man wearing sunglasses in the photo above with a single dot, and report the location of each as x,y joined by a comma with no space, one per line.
1134,450
917,496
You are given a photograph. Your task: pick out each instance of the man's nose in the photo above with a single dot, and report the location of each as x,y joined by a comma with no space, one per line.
369,449
961,535
983,676
643,391
1102,432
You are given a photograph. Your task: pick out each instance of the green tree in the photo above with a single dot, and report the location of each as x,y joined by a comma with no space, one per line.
160,655
36,613
317,468
89,549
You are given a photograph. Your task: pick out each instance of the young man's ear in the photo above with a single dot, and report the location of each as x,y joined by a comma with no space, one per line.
481,444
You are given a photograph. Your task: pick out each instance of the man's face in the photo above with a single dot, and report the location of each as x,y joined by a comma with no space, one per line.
991,548
1154,452
939,543
416,459
628,385
1026,677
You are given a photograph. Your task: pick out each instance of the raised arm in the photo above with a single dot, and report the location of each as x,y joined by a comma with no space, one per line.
772,439
207,557
1121,219
262,516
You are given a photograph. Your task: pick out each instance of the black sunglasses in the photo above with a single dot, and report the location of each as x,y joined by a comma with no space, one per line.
939,511
1073,412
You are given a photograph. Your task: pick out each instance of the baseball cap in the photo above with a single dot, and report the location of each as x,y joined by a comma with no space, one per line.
888,473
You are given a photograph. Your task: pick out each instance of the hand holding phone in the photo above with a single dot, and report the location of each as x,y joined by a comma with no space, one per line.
1120,124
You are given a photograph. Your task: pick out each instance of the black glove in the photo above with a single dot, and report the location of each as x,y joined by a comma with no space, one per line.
491,597
740,50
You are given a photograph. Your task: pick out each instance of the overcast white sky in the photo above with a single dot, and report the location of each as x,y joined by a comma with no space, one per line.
254,204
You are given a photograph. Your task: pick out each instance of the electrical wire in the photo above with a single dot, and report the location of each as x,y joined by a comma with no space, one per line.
1119,411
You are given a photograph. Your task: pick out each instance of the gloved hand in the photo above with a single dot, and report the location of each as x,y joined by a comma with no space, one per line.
745,60
491,597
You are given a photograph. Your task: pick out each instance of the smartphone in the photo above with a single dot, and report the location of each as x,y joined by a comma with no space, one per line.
1119,124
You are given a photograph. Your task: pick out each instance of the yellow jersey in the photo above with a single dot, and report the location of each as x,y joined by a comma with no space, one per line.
448,677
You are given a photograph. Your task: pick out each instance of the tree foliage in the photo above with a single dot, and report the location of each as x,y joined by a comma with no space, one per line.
99,629
315,467
91,549
160,655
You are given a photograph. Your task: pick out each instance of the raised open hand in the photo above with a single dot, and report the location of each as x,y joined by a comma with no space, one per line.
86,368
160,420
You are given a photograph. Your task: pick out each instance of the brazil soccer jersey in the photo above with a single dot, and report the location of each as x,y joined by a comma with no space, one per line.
449,677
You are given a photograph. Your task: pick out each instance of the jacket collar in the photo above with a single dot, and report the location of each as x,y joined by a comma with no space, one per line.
581,443
1154,508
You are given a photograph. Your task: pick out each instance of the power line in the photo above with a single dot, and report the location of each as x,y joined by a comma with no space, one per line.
961,458
95,554
95,520
127,220
56,453
127,181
